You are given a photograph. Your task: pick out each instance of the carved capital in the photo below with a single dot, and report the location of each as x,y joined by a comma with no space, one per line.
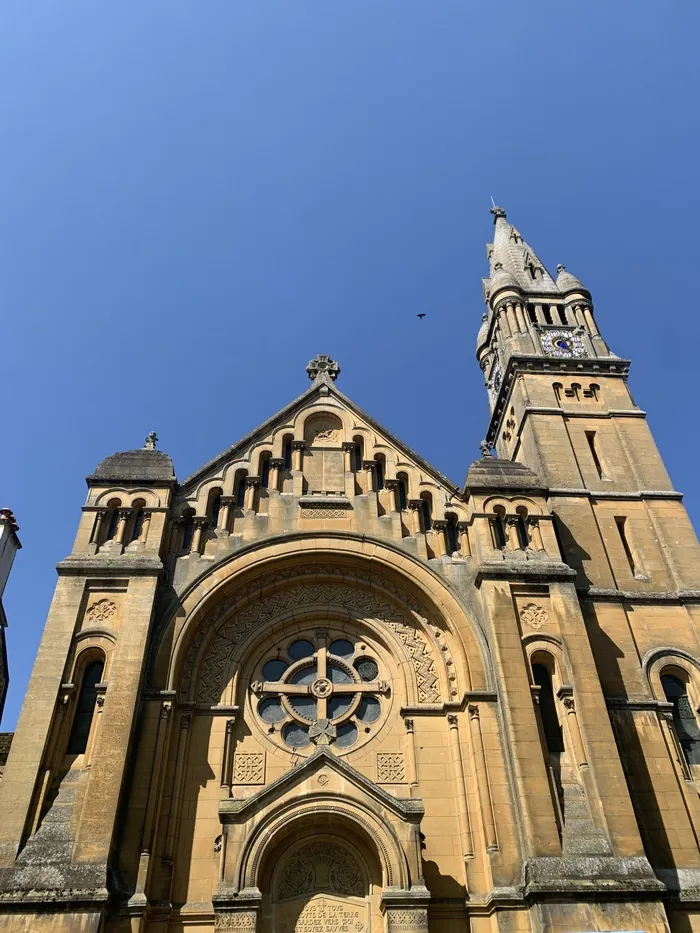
369,464
348,445
298,445
276,463
392,483
569,704
124,514
200,521
415,504
462,527
252,481
473,710
452,720
166,708
440,525
228,500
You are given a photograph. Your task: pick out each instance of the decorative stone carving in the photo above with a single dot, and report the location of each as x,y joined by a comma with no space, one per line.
311,512
243,920
535,616
249,768
365,603
407,920
101,611
391,768
323,365
322,866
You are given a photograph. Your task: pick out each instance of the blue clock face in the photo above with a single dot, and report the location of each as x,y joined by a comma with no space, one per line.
563,343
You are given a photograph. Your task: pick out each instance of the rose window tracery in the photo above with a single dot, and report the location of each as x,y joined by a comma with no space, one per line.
320,689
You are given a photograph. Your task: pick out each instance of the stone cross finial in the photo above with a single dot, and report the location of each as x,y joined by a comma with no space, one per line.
151,441
560,268
497,212
322,368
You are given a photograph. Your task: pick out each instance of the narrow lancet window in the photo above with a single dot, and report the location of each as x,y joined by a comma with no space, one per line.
85,709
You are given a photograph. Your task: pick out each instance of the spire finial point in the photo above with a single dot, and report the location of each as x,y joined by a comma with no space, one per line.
151,441
561,268
497,212
323,369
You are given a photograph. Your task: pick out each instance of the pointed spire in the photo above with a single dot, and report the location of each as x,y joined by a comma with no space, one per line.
511,255
567,283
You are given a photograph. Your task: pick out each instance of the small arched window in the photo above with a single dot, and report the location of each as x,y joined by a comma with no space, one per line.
548,710
427,510
359,452
684,722
136,520
187,529
287,452
239,488
112,518
214,508
402,491
451,531
498,526
264,469
523,534
380,470
85,708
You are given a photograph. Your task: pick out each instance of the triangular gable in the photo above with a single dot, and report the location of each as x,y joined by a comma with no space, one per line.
283,414
410,809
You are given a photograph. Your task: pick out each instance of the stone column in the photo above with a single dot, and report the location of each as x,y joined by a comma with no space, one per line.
348,451
512,531
520,314
574,728
145,526
440,538
464,546
369,467
512,320
227,757
482,780
392,486
251,487
276,464
124,515
590,320
298,455
411,773
183,741
97,527
502,318
227,503
415,506
200,523
462,806
536,534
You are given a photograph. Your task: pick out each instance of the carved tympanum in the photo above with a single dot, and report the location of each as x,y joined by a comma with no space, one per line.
322,866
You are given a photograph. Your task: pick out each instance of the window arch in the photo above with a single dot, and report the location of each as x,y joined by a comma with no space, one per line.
451,533
426,510
674,683
214,507
85,707
402,491
137,520
523,533
239,486
359,452
264,469
498,527
112,522
380,470
287,452
187,529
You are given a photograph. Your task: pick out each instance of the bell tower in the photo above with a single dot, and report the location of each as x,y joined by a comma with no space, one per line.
561,405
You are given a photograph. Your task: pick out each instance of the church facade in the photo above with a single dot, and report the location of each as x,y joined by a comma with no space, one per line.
318,688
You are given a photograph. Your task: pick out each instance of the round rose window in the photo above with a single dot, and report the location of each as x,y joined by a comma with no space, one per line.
320,690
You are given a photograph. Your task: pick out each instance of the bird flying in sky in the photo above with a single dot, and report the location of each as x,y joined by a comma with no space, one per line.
421,316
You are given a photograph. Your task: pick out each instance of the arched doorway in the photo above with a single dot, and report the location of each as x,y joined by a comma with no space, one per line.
322,882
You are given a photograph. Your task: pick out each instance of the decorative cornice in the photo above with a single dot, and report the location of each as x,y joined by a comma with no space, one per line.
122,566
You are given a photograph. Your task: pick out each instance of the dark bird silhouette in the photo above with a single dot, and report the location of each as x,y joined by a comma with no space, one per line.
421,316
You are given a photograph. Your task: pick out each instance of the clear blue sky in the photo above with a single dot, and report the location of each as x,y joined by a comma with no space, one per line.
197,197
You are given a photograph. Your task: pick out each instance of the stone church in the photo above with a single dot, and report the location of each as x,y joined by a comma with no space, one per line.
317,687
